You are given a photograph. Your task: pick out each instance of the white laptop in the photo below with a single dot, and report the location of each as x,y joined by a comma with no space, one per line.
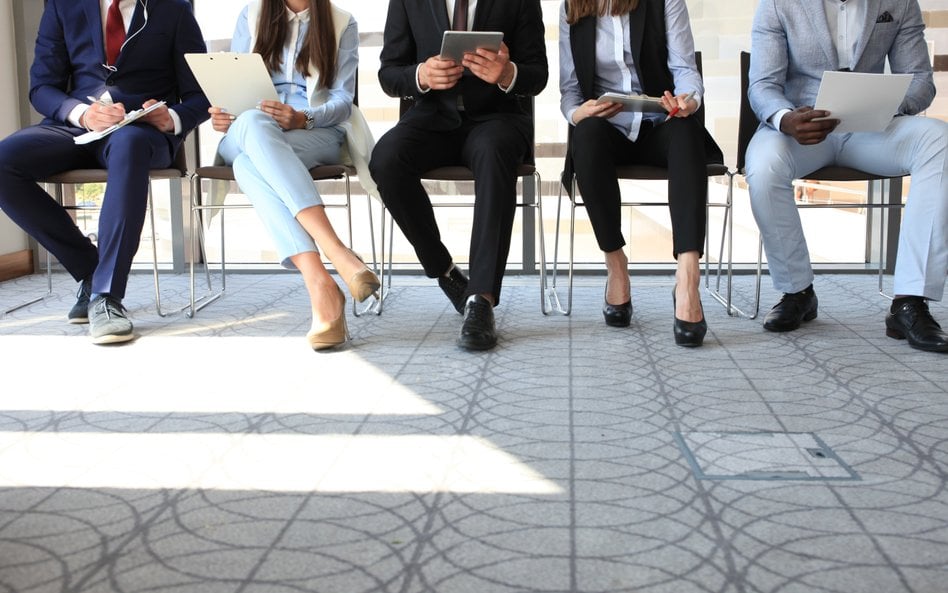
232,81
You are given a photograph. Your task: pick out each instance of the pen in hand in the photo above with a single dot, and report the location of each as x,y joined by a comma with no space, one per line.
105,102
675,111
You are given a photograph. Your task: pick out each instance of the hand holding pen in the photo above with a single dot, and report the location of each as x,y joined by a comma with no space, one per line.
101,114
678,105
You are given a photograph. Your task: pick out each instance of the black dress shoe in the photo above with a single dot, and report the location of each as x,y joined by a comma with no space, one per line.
477,330
617,315
454,286
793,309
912,321
689,334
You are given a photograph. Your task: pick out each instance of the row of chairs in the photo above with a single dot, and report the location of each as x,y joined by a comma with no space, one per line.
549,296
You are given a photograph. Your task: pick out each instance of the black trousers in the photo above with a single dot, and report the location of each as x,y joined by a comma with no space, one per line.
492,148
597,147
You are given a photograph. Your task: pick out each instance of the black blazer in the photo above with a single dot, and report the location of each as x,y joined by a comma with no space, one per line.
413,31
650,55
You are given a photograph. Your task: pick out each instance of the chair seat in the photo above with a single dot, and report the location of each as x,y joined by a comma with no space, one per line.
318,173
654,173
79,176
835,173
460,173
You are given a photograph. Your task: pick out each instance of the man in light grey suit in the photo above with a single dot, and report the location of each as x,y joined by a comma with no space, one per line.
793,43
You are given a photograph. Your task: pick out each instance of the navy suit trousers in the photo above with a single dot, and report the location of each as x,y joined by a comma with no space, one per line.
39,151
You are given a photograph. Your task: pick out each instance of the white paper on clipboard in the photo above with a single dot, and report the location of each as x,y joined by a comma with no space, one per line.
235,82
862,102
129,118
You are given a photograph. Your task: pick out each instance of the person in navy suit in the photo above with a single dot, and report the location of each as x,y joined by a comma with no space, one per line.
94,62
464,113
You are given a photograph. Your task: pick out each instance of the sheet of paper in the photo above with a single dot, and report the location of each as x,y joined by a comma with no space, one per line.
129,118
862,102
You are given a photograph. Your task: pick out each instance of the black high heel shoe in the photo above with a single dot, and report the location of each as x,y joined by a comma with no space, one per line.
616,315
689,333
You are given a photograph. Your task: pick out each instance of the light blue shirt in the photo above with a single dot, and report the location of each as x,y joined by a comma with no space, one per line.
291,84
615,69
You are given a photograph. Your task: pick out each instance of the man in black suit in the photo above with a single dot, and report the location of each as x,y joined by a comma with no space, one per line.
467,114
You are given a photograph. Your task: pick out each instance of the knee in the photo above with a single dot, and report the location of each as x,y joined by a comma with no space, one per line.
249,120
934,139
590,132
385,163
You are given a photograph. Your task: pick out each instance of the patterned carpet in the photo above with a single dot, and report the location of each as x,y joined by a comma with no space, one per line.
219,454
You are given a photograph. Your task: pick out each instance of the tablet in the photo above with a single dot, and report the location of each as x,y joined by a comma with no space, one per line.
232,81
634,102
454,44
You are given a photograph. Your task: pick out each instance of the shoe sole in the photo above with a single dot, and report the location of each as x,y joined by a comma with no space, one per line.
626,323
475,347
78,320
113,339
898,335
808,317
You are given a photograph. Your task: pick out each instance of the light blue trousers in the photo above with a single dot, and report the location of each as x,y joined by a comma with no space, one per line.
915,146
272,168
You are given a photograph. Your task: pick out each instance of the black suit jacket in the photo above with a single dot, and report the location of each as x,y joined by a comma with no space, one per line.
413,31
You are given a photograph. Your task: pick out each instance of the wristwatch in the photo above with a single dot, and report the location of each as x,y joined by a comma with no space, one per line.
310,120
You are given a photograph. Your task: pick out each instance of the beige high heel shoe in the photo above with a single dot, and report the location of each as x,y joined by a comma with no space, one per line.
335,333
363,283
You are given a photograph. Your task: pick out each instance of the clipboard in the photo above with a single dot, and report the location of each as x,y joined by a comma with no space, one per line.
454,44
235,82
129,118
861,101
642,103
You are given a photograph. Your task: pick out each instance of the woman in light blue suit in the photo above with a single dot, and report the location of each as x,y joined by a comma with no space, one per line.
793,43
311,50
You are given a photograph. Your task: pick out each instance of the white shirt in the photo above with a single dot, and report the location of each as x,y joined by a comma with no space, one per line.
471,5
126,6
845,20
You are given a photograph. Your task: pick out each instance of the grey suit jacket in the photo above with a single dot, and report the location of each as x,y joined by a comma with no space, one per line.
791,47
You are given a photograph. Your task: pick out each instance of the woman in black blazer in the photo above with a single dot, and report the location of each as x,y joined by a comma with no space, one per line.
637,47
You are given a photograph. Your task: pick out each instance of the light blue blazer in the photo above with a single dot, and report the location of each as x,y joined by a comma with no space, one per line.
791,47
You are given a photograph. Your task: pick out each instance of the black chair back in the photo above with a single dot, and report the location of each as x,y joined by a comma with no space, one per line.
748,122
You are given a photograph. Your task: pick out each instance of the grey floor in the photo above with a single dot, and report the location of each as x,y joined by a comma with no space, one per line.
219,454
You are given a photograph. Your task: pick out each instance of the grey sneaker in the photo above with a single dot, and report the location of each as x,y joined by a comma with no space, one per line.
80,311
108,322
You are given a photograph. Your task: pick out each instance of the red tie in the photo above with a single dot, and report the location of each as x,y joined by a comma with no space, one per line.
459,23
114,32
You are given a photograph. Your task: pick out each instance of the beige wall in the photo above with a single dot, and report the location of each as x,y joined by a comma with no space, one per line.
11,237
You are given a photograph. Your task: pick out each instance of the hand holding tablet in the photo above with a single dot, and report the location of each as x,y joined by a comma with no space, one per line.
454,44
